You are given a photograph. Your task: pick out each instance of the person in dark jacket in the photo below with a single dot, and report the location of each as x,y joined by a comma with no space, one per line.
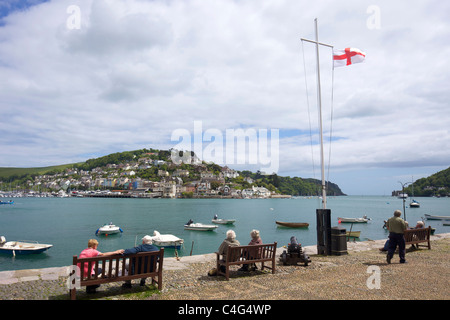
146,246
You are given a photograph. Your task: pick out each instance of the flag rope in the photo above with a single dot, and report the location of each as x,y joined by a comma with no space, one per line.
309,113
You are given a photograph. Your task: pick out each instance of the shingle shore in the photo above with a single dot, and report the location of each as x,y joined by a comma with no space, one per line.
348,277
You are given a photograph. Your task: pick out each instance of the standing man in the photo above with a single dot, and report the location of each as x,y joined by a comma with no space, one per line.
396,227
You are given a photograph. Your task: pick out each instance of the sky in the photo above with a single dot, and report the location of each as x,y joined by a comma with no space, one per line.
83,79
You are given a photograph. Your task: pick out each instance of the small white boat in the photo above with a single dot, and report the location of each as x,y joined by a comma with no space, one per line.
108,229
166,240
22,247
199,226
223,221
353,220
433,217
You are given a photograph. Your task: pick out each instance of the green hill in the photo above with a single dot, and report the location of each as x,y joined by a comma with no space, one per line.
11,173
22,177
437,184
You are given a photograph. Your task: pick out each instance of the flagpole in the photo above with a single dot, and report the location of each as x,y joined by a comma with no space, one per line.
323,215
319,101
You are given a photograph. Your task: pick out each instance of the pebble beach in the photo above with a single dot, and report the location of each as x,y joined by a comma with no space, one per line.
345,277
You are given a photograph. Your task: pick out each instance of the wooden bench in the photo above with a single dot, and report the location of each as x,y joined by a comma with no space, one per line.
416,236
114,268
246,255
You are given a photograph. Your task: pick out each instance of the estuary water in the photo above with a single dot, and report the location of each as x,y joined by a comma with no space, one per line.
68,223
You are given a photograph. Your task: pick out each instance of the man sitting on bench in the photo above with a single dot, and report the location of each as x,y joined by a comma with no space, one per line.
230,240
146,246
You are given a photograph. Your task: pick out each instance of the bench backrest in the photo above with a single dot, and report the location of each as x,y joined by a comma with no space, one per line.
115,266
417,234
260,252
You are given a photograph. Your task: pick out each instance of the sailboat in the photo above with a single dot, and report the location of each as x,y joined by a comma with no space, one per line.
414,203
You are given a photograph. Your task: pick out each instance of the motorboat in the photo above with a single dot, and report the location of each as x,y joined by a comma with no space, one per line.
433,217
7,202
292,224
353,220
190,225
166,240
222,221
22,247
108,229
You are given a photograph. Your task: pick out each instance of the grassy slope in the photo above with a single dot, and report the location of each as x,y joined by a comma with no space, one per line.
6,172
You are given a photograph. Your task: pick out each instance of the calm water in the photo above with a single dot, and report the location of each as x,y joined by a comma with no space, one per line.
68,223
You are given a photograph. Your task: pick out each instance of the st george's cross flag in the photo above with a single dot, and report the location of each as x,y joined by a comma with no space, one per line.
347,57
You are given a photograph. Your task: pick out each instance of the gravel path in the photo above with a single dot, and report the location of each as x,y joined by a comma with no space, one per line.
425,276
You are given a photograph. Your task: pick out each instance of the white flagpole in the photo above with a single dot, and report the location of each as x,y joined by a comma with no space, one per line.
319,100
323,215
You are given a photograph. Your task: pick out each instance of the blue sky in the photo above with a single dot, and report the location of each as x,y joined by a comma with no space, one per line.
85,78
9,6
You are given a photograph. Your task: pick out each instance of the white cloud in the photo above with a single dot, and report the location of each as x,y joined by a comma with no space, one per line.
137,70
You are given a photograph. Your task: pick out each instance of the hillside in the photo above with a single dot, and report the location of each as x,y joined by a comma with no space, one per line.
150,165
437,184
12,174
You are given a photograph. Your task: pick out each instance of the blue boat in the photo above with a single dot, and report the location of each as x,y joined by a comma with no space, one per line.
7,202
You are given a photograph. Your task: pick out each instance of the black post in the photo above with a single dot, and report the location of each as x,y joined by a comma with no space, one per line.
323,231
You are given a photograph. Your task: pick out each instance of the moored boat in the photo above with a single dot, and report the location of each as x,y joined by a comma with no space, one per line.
22,247
108,229
414,204
292,224
166,240
353,220
199,226
433,217
223,221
